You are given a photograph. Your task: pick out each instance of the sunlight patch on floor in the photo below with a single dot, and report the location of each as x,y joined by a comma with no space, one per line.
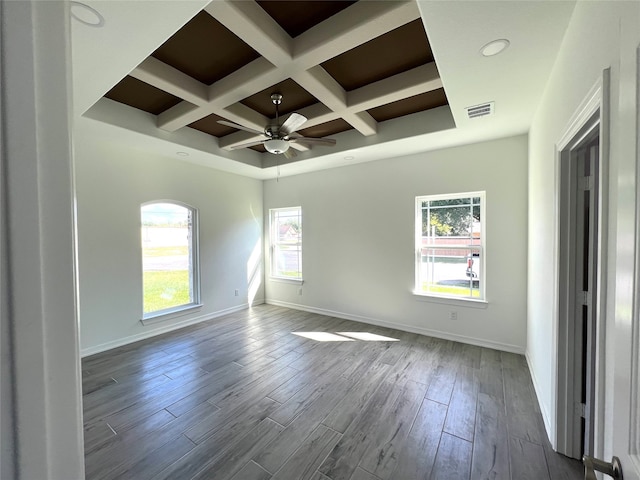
368,337
345,337
323,337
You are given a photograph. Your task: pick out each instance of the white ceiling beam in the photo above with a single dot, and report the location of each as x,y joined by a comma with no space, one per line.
363,122
413,82
244,82
240,113
349,28
171,80
353,26
255,27
323,86
229,90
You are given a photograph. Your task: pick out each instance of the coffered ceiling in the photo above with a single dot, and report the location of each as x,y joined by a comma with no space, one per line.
367,73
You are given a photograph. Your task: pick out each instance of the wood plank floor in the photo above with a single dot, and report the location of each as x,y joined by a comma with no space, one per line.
243,398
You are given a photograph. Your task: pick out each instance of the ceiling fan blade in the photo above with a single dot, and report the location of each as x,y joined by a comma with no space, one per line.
329,142
293,123
247,145
290,153
240,127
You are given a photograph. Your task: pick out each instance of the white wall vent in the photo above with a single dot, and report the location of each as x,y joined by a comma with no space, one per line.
481,110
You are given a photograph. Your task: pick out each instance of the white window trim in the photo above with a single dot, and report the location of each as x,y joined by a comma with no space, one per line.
167,313
443,298
272,236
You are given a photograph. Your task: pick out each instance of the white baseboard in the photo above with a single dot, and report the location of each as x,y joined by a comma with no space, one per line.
406,328
85,352
543,409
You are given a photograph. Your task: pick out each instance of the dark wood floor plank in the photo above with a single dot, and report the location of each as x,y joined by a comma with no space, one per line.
461,416
225,466
96,434
313,393
527,460
490,446
132,445
490,381
308,418
227,423
320,476
560,467
392,430
120,409
268,381
453,460
252,471
304,462
323,373
215,399
157,460
219,381
361,474
351,405
416,459
443,380
365,432
520,400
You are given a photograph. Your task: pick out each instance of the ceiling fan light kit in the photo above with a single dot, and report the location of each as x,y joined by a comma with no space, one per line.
279,136
276,146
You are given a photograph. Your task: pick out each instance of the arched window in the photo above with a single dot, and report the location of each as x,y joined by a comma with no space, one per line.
170,267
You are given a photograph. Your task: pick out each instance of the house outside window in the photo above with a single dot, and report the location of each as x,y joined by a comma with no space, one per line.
286,243
450,245
170,269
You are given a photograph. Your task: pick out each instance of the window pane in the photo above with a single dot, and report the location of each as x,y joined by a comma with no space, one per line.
288,225
288,261
449,250
448,271
450,221
166,256
286,242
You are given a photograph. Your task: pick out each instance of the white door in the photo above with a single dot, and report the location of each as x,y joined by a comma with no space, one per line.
623,336
625,425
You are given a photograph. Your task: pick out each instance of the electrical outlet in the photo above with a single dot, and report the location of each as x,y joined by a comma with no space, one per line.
453,315
237,292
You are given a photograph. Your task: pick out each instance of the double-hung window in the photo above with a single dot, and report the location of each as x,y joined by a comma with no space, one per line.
286,243
169,258
450,250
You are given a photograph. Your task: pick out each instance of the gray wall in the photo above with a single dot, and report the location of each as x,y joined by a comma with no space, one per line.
358,241
112,182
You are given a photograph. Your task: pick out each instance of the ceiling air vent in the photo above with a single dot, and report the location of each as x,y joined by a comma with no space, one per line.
481,110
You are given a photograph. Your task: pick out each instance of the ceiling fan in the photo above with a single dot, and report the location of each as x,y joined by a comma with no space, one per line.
279,137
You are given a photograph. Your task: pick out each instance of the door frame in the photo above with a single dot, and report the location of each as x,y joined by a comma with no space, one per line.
592,114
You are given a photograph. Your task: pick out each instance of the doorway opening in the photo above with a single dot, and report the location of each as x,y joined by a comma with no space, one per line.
581,251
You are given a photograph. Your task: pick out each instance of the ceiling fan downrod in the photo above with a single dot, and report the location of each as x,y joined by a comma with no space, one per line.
276,99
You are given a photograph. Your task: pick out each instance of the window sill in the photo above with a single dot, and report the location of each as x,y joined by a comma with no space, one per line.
165,315
462,302
292,281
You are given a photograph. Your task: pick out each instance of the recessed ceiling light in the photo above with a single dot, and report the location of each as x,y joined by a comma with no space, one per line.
182,154
86,14
495,47
349,157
